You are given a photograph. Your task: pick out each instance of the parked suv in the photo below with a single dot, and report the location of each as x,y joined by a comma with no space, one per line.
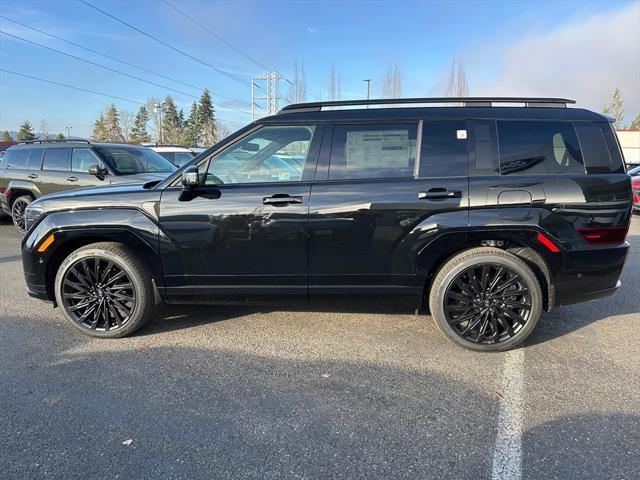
176,154
35,168
483,215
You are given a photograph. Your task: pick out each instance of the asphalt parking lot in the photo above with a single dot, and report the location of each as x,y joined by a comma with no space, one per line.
244,392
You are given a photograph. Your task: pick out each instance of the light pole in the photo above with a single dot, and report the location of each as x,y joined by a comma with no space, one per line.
158,109
368,80
68,131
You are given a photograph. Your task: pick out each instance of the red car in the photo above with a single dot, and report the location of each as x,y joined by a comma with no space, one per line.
635,182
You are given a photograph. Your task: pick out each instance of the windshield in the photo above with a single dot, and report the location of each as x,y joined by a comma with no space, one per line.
132,160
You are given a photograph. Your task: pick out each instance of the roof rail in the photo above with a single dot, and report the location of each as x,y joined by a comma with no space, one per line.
465,101
53,140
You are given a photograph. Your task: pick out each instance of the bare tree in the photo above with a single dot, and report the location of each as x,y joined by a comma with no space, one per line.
392,85
298,89
457,85
335,91
126,124
44,128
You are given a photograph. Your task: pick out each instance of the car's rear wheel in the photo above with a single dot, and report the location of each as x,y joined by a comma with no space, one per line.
104,290
18,208
486,299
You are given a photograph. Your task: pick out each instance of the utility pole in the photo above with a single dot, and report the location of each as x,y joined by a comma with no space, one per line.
68,131
368,80
158,108
271,81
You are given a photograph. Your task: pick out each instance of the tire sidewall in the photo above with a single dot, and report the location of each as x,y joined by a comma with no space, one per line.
27,200
446,276
136,280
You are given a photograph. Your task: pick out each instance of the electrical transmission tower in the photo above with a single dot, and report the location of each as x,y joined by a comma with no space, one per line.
270,80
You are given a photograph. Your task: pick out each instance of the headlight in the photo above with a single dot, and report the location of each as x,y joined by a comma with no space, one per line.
31,214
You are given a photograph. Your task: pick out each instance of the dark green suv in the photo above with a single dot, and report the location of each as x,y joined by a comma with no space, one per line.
32,169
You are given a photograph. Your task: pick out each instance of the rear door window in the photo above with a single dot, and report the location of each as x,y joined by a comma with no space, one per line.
56,159
373,151
444,149
538,147
599,148
26,158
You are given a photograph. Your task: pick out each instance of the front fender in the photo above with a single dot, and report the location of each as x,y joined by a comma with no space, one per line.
75,228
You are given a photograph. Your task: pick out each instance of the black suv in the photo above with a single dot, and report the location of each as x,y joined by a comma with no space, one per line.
483,215
35,168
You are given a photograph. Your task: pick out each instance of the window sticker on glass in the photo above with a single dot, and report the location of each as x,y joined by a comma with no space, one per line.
461,134
386,148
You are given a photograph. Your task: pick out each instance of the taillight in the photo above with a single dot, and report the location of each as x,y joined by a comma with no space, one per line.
636,198
604,235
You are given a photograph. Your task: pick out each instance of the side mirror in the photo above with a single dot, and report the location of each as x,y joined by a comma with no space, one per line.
190,177
97,171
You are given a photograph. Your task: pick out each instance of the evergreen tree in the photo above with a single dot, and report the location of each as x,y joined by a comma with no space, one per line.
59,136
206,119
139,131
99,130
6,137
192,127
112,125
25,132
635,123
171,128
616,109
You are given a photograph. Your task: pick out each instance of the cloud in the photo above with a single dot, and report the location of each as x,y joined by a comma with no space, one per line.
584,60
311,31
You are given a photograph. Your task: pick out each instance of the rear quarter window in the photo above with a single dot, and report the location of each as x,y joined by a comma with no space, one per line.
23,158
599,148
538,148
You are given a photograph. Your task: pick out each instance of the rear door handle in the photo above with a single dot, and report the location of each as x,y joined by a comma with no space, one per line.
282,199
32,176
71,179
436,193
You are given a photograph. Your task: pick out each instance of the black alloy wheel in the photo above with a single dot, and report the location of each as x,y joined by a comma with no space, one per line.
486,299
98,294
487,303
18,212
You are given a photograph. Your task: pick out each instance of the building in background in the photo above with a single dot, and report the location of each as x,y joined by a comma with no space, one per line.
630,144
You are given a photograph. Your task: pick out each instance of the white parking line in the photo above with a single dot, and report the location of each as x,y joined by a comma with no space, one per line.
507,455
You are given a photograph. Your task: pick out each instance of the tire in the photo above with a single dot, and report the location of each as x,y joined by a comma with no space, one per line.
17,211
486,288
111,279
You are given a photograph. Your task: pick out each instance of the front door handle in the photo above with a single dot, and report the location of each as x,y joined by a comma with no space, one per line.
32,176
282,199
71,179
436,193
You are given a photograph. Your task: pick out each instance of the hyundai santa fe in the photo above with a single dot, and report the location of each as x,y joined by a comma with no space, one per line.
481,214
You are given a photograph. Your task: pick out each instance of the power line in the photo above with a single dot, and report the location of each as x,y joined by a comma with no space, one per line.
230,45
71,86
162,42
102,54
98,64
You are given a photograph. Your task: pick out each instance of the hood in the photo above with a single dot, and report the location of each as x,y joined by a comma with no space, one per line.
124,195
138,178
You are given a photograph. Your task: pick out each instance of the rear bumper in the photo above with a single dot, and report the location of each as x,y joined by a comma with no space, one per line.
4,203
590,274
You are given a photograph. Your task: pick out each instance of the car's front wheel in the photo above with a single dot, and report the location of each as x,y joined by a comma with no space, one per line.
18,208
104,290
486,299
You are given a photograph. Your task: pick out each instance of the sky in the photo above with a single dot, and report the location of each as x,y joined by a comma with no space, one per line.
574,49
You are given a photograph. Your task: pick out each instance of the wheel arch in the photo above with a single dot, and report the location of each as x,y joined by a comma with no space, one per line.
517,242
20,188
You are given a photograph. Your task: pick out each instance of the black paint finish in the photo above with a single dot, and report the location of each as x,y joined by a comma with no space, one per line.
359,236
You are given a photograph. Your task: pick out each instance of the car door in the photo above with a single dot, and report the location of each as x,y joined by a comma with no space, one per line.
55,172
243,231
373,206
81,160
